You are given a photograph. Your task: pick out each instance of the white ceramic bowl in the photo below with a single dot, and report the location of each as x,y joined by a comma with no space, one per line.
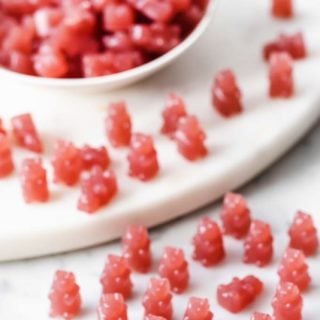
120,79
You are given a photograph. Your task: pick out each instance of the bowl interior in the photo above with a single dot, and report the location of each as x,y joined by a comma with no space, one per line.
123,78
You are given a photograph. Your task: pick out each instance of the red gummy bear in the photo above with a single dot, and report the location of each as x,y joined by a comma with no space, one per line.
136,248
174,267
98,187
293,44
281,75
287,302
157,299
198,309
303,234
190,137
238,294
142,157
208,243
235,215
260,316
6,162
226,95
26,133
67,163
293,268
175,109
282,8
118,125
34,181
112,307
64,296
92,156
118,16
116,276
258,245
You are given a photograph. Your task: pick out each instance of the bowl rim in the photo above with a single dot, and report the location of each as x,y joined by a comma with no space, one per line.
121,76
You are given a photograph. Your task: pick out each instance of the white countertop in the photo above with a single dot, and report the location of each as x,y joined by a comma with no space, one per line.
292,183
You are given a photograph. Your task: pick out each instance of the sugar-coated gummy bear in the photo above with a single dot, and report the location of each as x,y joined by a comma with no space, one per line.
6,161
281,75
112,307
118,125
174,267
142,157
287,302
157,299
303,234
175,109
258,245
33,179
226,95
66,162
190,138
136,248
94,156
25,132
208,243
235,215
116,276
293,268
64,296
98,188
239,293
198,309
293,44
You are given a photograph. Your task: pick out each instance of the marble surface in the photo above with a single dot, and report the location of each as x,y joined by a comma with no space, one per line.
292,183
